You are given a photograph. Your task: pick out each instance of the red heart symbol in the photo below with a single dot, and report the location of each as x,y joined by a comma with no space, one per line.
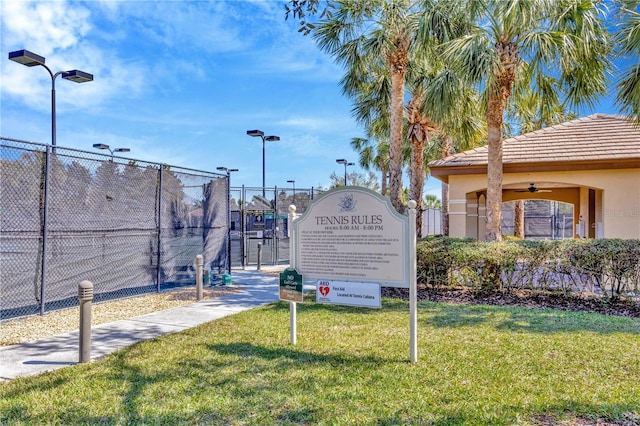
324,290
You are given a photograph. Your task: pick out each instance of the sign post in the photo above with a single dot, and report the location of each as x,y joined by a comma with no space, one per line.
413,284
291,290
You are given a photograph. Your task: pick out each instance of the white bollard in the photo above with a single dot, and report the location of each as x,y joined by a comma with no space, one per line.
85,297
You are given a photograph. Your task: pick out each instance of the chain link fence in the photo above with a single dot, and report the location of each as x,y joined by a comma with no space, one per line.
260,216
128,226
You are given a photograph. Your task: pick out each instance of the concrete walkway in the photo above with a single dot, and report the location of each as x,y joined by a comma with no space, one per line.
55,352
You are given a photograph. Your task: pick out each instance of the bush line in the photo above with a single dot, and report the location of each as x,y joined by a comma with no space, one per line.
609,267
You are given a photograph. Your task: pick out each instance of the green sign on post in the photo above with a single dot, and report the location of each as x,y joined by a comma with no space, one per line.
291,286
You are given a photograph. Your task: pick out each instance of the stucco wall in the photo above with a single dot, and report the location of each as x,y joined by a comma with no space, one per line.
617,198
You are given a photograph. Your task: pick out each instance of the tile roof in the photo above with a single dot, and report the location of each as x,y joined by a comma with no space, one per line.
598,138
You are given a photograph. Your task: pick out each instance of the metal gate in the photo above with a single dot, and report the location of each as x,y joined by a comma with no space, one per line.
259,220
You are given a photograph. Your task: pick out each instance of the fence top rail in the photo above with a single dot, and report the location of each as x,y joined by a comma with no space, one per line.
273,188
92,154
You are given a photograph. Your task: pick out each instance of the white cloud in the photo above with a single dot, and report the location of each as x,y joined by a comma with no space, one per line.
315,124
306,123
44,26
61,32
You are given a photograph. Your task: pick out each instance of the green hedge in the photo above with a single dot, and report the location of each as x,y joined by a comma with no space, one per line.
607,266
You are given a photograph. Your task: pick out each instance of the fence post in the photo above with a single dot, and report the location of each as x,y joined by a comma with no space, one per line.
45,230
85,297
199,263
274,227
159,258
243,226
259,255
228,221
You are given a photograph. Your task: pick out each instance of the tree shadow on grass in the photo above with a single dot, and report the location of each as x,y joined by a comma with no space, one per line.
247,349
544,321
310,305
203,376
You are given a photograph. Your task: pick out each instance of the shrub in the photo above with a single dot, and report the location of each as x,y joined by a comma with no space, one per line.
436,257
613,265
609,266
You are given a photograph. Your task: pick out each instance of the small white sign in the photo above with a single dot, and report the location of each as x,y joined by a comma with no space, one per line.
348,293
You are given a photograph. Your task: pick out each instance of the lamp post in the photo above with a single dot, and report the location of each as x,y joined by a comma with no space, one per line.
228,171
260,133
293,183
105,146
31,59
346,163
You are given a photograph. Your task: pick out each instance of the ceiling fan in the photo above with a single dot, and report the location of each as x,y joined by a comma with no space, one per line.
532,188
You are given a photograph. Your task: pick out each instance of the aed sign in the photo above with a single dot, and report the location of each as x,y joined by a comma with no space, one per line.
348,293
291,286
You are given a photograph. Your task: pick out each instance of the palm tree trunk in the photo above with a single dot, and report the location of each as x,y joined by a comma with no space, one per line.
385,179
395,137
447,149
495,112
518,222
417,179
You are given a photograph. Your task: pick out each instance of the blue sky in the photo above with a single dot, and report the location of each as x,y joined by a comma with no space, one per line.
180,82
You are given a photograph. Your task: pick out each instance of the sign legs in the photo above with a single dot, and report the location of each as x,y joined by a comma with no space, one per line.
413,285
292,322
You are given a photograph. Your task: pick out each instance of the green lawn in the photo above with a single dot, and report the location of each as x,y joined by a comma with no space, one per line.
477,365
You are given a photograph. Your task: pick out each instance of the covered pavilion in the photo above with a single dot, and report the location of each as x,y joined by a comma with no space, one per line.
592,163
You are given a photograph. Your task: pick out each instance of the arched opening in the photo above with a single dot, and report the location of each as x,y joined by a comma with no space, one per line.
542,219
553,210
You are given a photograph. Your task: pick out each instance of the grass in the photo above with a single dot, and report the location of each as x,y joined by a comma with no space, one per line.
478,365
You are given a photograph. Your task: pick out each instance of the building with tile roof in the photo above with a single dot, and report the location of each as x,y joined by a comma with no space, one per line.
592,163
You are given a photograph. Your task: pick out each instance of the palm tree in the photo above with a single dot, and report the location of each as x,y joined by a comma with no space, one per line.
627,36
373,154
433,202
529,111
381,32
371,93
457,108
512,44
419,130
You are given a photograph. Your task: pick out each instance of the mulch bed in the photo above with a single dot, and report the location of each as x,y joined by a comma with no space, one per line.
525,298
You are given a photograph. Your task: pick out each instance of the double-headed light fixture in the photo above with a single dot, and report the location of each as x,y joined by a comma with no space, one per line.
105,146
260,134
346,163
31,59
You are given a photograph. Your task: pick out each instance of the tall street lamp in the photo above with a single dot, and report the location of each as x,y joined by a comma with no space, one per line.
31,59
228,171
293,182
346,163
105,146
260,133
